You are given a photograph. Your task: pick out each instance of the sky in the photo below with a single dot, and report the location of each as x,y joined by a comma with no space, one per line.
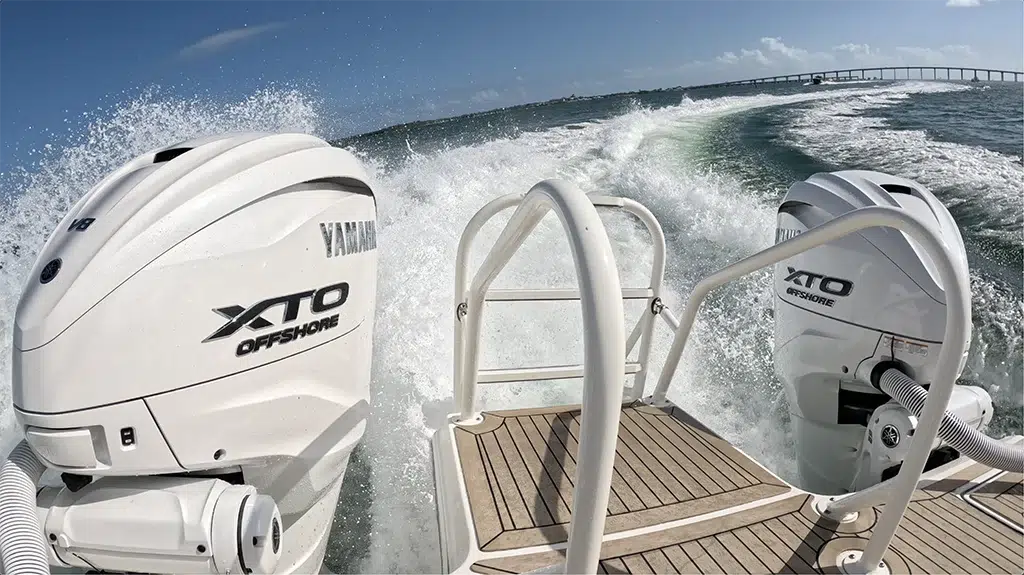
374,64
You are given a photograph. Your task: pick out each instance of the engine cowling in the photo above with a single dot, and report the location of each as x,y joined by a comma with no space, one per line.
844,307
206,311
221,285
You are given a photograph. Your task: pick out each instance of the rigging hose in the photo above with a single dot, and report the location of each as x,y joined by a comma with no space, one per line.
964,438
22,547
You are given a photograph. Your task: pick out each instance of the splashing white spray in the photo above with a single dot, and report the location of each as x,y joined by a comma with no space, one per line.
710,220
37,198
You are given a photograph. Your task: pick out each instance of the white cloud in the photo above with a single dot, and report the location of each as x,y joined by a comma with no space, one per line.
756,55
773,52
773,56
963,3
221,40
854,49
635,73
488,95
958,49
728,58
951,55
776,45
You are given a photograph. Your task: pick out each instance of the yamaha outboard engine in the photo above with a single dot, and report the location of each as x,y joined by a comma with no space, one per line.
192,354
850,309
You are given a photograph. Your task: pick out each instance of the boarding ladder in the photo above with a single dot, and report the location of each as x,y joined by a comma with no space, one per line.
606,348
468,308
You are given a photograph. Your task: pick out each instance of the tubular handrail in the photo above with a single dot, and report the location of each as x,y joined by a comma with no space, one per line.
657,279
955,284
646,324
604,345
871,496
477,222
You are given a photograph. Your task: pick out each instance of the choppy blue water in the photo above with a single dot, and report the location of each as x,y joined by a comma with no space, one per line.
710,164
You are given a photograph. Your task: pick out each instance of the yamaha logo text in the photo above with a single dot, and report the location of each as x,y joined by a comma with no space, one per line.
346,238
320,301
835,287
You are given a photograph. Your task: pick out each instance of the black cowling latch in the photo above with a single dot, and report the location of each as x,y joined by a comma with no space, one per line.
75,482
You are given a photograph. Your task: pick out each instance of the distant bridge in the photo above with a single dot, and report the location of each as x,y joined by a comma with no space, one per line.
868,74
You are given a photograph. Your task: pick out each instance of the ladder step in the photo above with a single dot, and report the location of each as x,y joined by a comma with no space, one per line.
540,373
557,294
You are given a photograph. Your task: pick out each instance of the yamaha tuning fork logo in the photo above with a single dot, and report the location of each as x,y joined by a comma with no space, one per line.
890,435
320,301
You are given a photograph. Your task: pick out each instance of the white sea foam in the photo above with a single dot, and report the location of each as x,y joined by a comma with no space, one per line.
424,202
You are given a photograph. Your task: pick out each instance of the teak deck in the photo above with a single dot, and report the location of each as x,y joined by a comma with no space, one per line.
518,468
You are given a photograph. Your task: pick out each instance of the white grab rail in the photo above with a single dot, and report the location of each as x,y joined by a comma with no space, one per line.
958,321
643,330
604,345
647,319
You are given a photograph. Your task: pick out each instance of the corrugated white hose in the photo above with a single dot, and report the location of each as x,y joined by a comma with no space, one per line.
966,439
22,547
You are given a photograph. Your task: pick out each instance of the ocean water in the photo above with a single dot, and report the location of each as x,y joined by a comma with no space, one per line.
710,164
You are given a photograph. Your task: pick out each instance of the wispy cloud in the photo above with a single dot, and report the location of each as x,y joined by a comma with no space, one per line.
930,56
488,95
963,3
222,40
773,51
773,56
861,50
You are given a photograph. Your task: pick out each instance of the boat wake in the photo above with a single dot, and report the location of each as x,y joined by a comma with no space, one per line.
710,219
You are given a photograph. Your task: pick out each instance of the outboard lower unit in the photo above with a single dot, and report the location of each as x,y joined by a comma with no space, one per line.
847,311
192,353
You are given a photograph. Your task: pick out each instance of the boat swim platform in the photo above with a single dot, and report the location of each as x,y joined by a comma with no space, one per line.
684,500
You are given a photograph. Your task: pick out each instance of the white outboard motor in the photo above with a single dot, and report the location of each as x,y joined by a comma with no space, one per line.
846,311
192,353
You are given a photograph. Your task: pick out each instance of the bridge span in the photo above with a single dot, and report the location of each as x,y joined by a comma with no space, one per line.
882,73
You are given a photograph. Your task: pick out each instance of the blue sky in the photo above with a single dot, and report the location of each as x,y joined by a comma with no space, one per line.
378,63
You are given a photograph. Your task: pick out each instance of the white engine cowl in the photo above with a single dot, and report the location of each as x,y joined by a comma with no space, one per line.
209,307
844,307
159,296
